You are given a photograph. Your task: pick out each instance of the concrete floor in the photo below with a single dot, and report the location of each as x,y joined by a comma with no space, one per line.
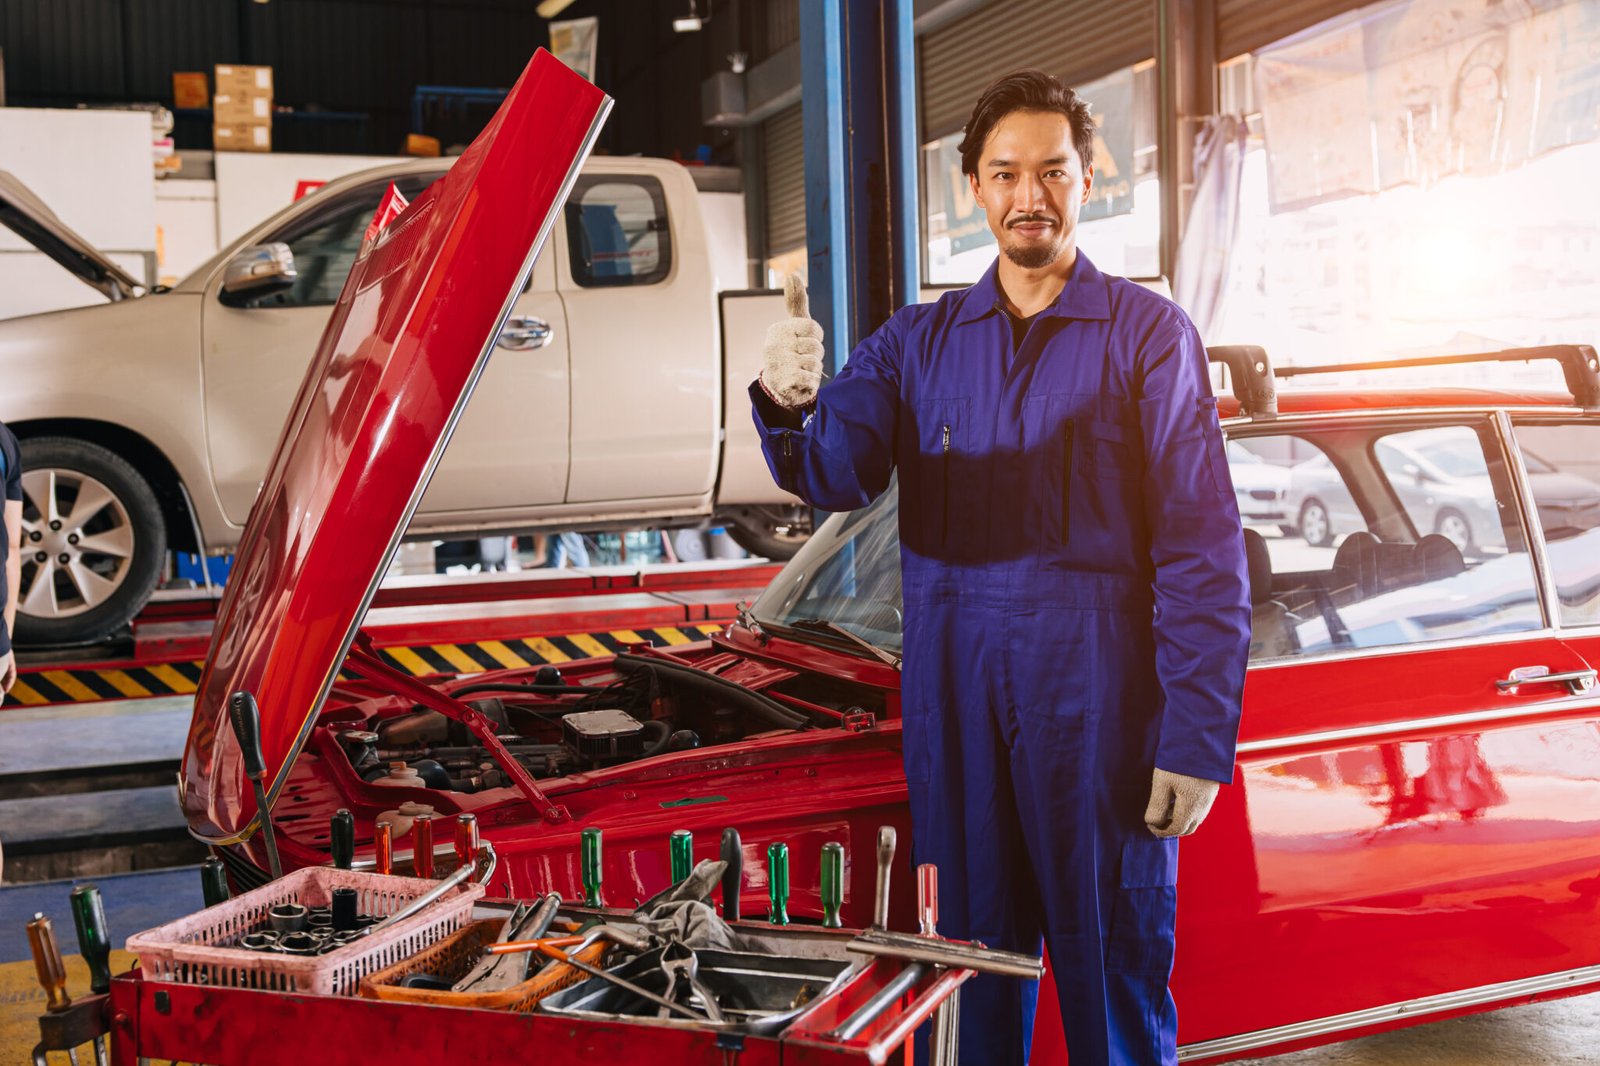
1564,1032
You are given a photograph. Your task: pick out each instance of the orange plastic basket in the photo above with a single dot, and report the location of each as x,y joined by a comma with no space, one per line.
453,956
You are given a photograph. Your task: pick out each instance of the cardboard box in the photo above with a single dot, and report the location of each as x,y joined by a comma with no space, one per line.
237,80
232,110
249,137
422,145
190,89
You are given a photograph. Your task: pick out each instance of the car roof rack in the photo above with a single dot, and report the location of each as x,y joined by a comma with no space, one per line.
1579,365
1251,377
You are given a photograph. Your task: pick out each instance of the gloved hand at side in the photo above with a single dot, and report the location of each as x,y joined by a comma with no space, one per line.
1178,804
792,354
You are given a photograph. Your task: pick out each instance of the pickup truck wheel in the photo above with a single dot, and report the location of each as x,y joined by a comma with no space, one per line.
92,542
771,532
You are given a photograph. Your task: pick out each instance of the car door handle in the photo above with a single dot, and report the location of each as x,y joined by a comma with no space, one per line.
525,331
1577,681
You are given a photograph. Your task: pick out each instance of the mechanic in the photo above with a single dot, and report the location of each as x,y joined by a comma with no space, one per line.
1076,607
10,552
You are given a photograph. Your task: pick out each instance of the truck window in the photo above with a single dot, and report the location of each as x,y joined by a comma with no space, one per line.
325,244
1563,464
1366,537
617,231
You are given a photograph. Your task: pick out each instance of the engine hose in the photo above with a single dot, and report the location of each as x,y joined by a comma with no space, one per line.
517,686
763,707
659,745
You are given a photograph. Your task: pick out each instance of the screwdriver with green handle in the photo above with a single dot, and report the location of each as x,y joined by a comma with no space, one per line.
94,944
682,850
778,883
590,856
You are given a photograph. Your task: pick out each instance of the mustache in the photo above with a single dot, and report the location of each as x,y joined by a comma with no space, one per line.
1022,219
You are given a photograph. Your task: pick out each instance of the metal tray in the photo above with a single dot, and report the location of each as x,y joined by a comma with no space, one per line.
759,994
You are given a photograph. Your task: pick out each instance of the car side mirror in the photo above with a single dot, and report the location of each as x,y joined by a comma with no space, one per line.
1414,472
259,270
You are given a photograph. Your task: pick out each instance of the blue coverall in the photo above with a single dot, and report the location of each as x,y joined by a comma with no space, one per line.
1076,613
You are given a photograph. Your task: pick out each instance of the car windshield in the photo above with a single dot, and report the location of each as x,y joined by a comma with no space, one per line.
848,573
1461,457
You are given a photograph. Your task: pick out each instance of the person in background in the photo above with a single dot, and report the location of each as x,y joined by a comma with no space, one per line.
10,552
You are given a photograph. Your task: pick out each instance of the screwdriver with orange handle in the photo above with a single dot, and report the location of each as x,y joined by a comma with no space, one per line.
52,971
511,947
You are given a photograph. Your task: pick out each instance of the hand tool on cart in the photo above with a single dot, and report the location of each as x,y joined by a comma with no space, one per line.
422,846
94,944
947,1019
681,846
778,883
214,882
246,719
486,861
383,848
832,884
681,965
590,856
495,971
622,983
52,971
342,838
466,838
880,899
733,875
511,947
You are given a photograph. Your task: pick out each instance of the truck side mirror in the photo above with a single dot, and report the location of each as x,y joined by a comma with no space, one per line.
259,270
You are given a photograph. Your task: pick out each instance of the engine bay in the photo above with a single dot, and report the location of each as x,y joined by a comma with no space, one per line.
554,727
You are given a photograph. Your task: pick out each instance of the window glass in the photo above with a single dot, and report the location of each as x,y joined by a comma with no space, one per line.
325,244
617,232
1563,463
1367,536
1120,227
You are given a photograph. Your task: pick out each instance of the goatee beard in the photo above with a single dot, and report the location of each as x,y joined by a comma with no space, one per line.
1033,257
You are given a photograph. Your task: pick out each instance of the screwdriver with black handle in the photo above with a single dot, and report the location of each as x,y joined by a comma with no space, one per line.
52,971
246,719
94,944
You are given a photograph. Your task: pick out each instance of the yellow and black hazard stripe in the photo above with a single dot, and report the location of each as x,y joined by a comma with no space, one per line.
36,688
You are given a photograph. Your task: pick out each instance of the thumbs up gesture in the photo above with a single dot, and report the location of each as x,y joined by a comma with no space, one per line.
792,355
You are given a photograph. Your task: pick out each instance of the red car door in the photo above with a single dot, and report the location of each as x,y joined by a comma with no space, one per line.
1417,806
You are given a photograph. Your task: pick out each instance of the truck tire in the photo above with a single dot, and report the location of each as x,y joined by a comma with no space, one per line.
98,565
770,532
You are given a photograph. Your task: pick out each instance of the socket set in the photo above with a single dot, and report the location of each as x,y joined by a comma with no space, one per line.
292,928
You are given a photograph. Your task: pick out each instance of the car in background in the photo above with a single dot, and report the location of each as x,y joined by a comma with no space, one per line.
1259,487
1438,475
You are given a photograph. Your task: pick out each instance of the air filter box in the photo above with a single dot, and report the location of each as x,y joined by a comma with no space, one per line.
598,737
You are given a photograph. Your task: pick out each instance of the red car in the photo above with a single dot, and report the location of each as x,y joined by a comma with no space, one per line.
1413,831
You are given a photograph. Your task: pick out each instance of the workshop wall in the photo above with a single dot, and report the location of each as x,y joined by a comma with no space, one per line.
348,67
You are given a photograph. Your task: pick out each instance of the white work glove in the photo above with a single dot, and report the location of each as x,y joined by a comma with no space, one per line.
792,356
1178,804
8,672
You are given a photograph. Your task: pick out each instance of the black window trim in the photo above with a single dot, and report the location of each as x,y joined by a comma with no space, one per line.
666,235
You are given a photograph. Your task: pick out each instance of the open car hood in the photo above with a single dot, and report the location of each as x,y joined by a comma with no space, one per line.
412,331
22,212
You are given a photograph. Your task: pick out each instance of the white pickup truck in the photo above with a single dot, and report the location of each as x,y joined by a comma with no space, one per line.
616,396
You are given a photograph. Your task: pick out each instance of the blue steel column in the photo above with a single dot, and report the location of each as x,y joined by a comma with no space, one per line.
858,99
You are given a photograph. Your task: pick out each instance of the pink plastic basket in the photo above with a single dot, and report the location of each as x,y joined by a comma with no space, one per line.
185,950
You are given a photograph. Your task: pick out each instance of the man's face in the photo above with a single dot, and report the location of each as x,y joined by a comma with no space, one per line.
1031,184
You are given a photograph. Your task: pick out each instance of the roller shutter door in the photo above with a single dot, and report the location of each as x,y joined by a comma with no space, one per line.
783,160
1245,25
1078,40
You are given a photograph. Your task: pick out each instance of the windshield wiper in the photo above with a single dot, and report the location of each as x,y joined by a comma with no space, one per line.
822,625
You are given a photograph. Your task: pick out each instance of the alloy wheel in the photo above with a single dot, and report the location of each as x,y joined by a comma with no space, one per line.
77,543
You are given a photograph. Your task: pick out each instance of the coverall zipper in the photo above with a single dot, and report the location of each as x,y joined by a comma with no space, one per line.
1066,488
944,517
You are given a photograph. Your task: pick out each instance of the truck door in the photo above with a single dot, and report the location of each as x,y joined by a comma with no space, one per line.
646,373
510,449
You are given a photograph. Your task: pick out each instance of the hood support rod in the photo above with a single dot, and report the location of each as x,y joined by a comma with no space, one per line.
364,661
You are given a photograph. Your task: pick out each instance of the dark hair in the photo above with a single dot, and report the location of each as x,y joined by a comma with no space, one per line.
1026,90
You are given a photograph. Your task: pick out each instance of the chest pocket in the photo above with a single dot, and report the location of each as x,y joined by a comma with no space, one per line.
944,449
1111,450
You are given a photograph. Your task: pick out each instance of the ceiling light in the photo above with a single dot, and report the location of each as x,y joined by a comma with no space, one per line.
549,9
691,22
